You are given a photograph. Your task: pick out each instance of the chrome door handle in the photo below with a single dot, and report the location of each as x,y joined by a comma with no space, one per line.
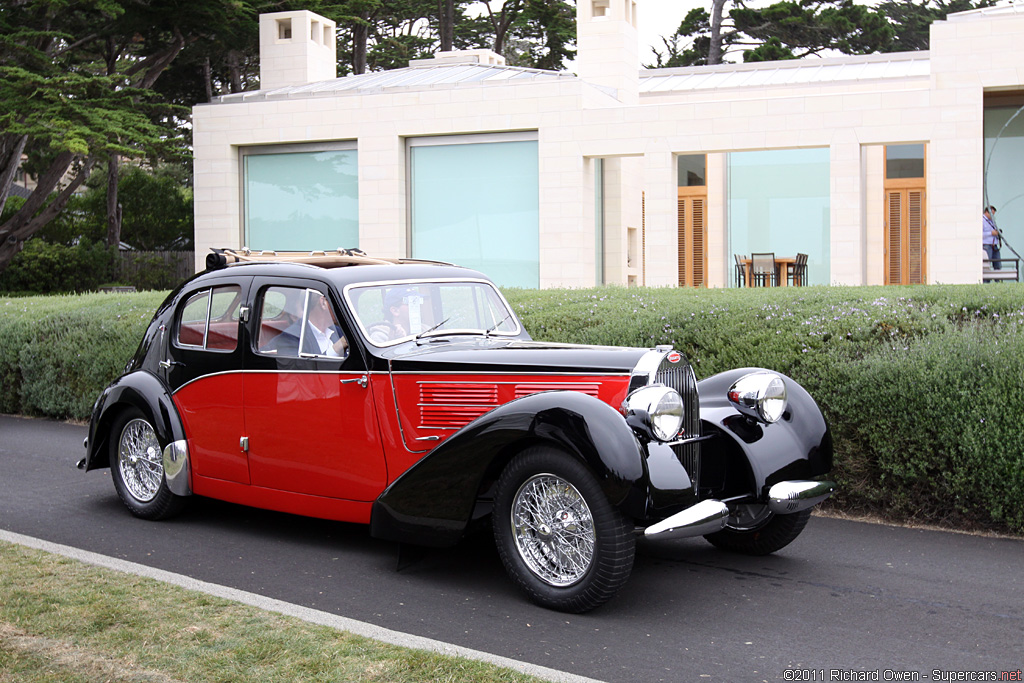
166,364
361,381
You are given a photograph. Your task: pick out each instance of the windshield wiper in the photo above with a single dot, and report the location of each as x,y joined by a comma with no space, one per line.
424,333
488,331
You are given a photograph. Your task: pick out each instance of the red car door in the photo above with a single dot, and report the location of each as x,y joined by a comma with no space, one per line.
309,414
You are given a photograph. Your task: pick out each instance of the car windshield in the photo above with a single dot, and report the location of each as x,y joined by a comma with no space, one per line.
389,313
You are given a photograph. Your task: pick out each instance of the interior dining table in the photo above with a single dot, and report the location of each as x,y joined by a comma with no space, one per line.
783,266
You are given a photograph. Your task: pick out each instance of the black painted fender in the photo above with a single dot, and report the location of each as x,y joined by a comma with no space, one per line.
142,390
432,502
799,446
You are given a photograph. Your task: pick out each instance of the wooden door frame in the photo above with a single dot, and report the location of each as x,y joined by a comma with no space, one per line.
685,236
905,186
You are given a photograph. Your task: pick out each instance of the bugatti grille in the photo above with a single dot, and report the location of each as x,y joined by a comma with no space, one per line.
681,378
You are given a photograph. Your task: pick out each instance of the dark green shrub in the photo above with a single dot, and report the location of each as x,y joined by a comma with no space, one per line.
922,385
45,268
57,353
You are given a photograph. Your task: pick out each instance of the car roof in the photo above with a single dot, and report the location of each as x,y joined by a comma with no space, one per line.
339,269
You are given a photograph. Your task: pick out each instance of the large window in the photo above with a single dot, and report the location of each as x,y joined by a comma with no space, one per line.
300,198
1004,172
778,201
475,202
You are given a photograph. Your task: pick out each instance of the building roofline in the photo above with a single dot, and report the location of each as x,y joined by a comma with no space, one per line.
803,63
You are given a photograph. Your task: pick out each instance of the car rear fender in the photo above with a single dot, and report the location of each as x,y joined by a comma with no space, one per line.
798,446
138,389
432,502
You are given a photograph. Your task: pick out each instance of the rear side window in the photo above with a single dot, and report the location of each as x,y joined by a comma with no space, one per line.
209,319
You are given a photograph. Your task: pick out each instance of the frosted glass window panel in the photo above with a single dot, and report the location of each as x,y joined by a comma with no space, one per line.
692,170
1004,173
302,201
779,201
478,205
904,161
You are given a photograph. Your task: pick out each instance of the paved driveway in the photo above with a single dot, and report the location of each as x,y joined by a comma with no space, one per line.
845,596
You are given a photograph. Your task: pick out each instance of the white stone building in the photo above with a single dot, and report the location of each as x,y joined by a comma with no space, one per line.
874,166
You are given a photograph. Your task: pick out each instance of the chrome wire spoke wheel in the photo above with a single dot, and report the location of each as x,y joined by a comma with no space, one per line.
139,460
553,529
748,516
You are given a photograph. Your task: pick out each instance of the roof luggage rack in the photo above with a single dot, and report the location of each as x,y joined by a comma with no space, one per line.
337,258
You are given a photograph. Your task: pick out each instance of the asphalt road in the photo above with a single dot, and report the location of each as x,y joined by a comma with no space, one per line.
845,599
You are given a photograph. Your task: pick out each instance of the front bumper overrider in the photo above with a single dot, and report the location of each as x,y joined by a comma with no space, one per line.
709,516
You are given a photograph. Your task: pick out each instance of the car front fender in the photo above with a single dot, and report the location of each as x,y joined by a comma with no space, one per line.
432,502
798,446
141,390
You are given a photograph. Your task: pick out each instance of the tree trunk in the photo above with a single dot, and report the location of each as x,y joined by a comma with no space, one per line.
501,23
446,17
11,148
26,223
234,71
208,79
360,34
715,49
113,207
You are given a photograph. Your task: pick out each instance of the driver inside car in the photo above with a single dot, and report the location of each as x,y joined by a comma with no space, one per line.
320,335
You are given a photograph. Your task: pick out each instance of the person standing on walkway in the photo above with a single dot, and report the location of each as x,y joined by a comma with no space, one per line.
990,239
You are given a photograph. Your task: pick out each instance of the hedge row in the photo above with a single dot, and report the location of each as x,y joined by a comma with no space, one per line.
922,385
58,352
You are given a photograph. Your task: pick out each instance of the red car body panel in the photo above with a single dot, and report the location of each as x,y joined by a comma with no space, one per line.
211,412
432,406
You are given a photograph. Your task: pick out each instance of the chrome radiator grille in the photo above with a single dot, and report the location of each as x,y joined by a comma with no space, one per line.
681,378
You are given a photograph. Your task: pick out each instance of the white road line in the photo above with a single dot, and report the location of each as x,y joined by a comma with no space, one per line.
311,615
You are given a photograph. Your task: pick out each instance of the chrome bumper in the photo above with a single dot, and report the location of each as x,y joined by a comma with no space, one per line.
709,516
706,517
788,497
177,470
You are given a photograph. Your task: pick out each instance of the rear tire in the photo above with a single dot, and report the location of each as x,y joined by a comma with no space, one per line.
755,530
137,468
561,541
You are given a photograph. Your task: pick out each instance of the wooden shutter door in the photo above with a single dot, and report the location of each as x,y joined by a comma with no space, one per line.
905,236
692,237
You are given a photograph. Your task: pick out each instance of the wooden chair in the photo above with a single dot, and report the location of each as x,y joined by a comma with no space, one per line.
763,271
741,271
798,274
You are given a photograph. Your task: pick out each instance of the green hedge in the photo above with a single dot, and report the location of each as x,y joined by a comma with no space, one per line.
922,385
43,268
58,352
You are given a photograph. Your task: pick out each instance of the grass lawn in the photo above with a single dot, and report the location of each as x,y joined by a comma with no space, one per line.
65,621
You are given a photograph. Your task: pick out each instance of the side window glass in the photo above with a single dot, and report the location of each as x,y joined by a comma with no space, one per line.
299,323
209,319
223,326
192,326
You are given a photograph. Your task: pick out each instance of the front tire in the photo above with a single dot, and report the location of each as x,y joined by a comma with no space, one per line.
137,468
755,530
561,541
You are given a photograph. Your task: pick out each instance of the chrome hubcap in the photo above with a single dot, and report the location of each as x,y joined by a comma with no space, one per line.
748,516
139,460
553,529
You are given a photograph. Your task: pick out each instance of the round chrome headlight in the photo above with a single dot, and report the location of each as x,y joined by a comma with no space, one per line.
761,395
661,409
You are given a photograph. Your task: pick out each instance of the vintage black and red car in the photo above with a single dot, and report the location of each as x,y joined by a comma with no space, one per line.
407,396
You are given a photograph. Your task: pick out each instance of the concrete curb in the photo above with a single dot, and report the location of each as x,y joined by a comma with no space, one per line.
311,615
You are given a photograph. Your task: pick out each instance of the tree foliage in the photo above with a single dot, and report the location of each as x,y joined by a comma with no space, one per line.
911,20
86,83
76,80
791,29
